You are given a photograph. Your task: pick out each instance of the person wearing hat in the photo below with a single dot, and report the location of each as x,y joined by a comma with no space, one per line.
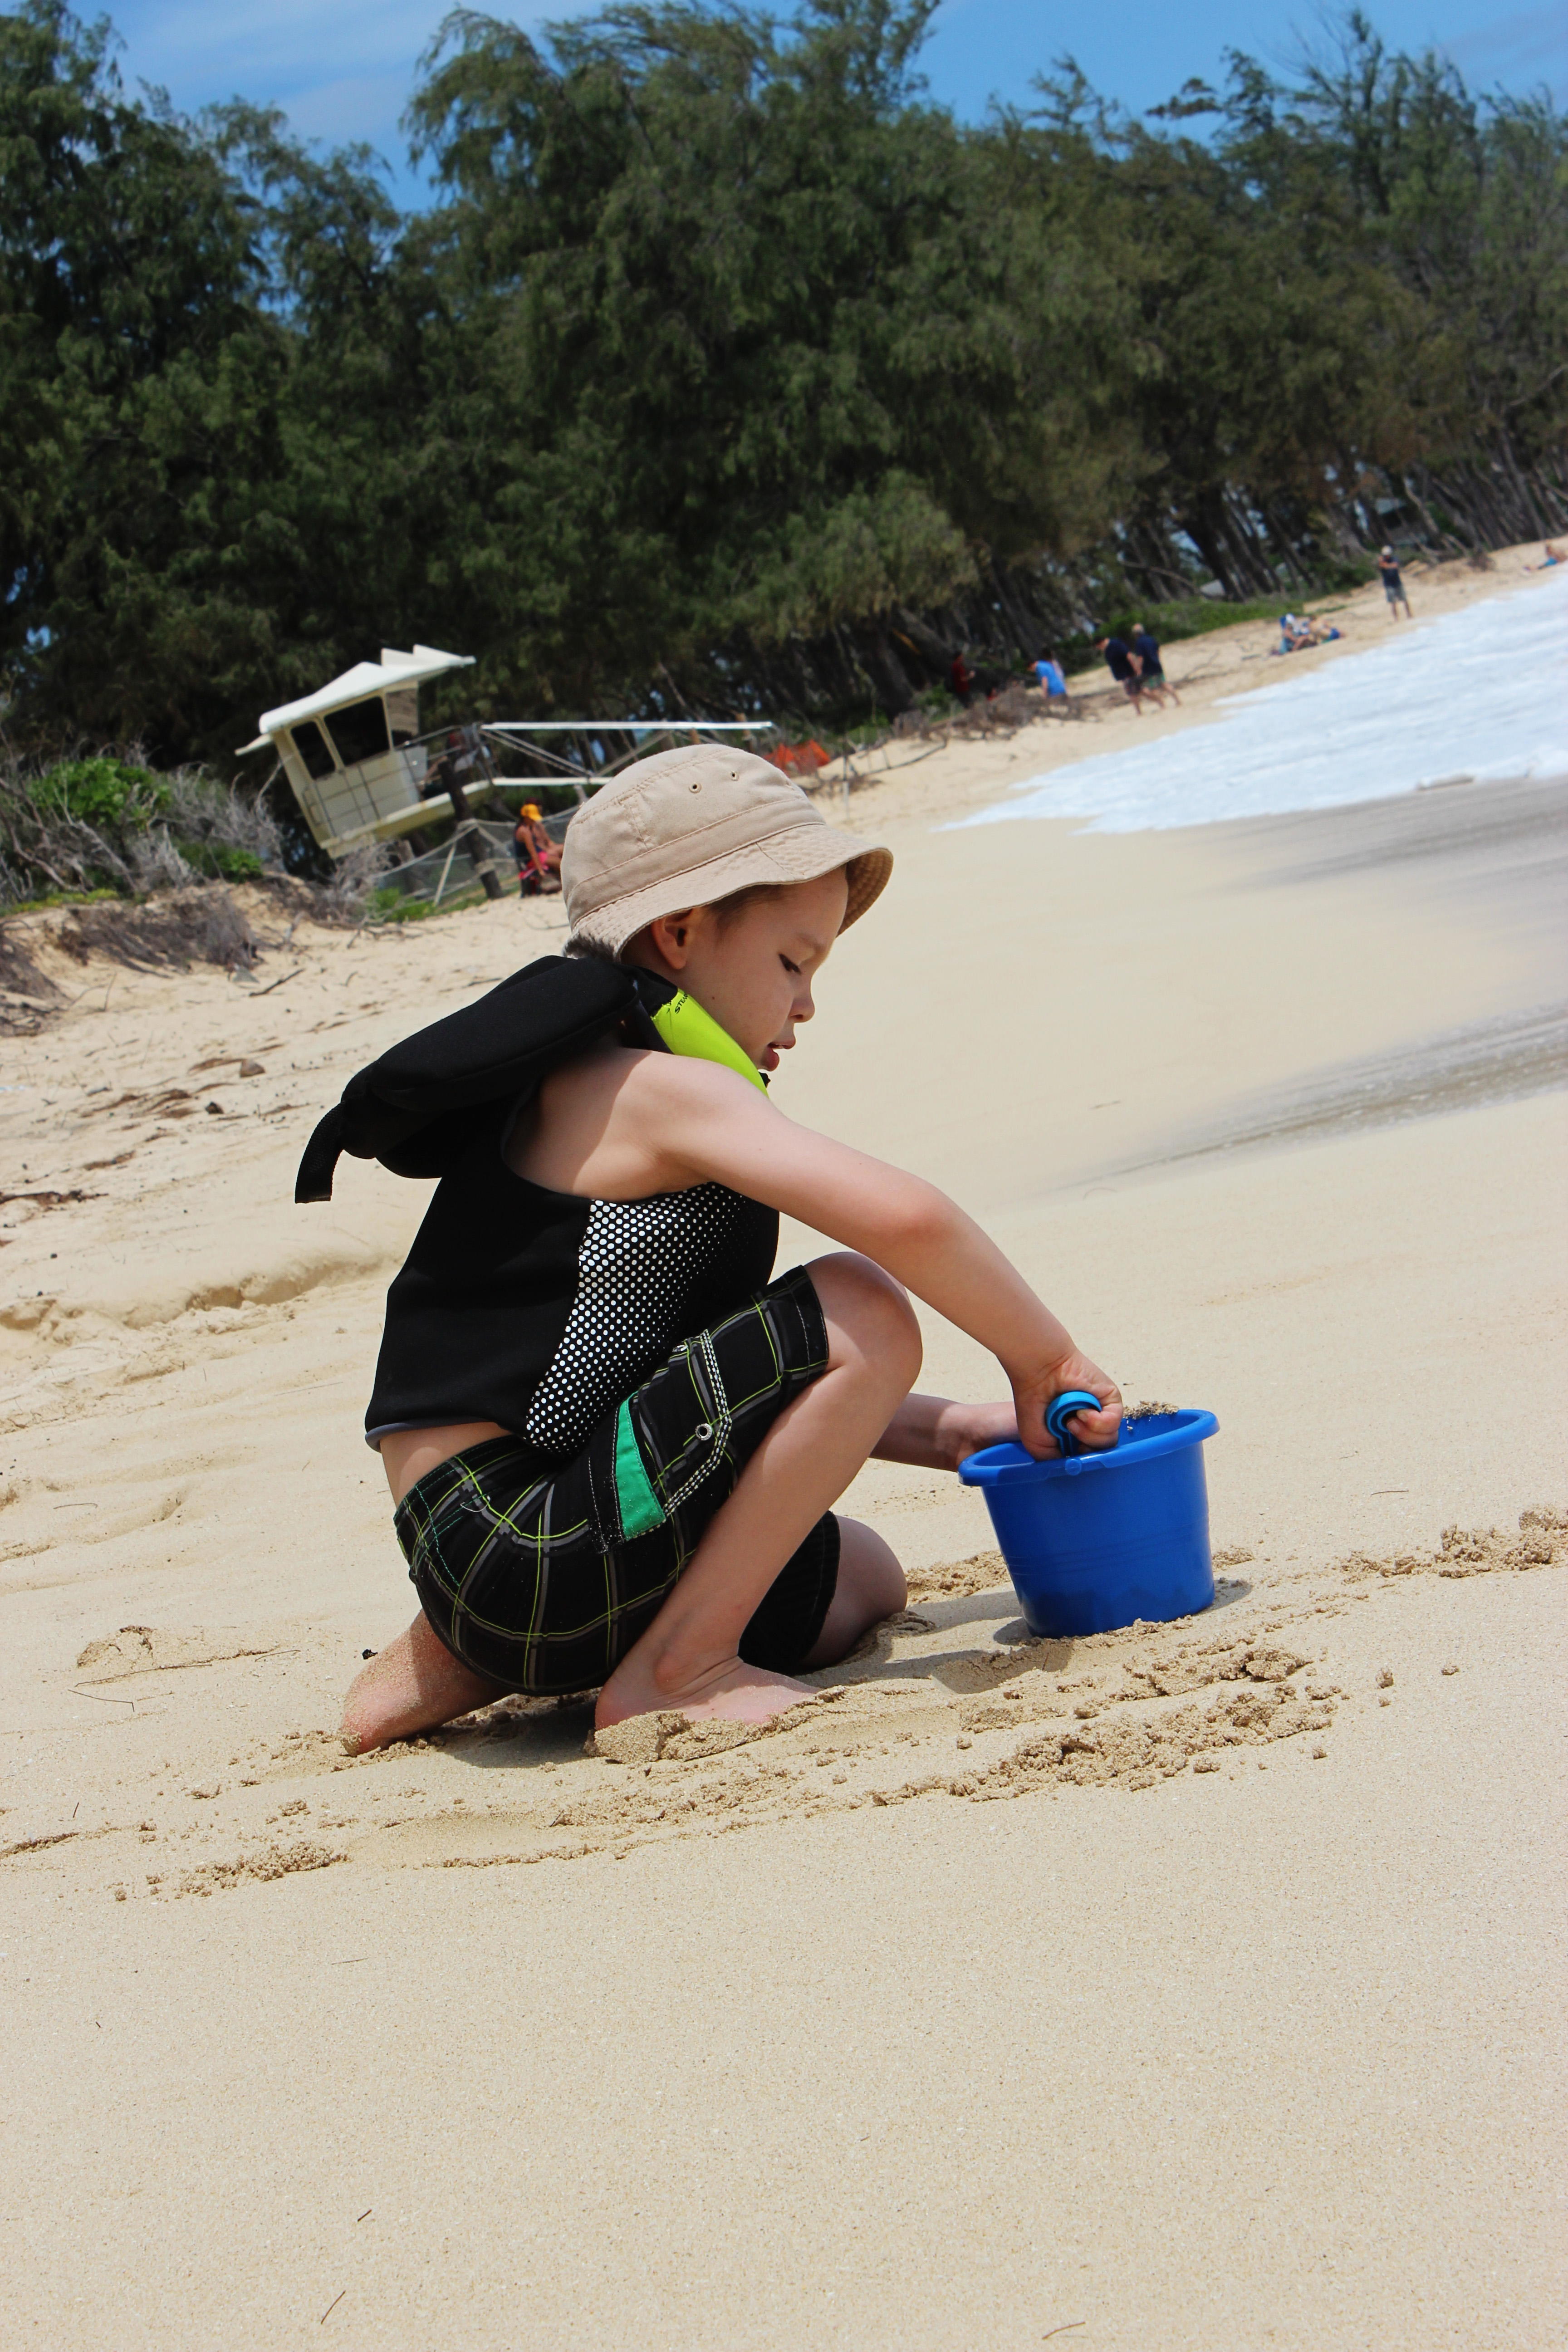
614,1437
1393,587
538,858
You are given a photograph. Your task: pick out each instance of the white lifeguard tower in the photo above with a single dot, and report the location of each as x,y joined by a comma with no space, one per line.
351,751
361,772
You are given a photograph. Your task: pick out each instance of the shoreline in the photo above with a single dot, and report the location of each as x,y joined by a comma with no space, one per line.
1209,671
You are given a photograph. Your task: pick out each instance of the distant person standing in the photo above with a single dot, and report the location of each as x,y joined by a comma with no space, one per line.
1119,661
1393,587
1146,653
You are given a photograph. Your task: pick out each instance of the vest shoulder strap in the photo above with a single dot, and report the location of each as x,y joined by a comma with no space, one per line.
417,1109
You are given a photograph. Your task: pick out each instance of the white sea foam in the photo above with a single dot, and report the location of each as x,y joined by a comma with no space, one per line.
1481,693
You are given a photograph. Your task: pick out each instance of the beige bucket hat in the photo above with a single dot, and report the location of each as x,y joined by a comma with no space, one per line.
689,826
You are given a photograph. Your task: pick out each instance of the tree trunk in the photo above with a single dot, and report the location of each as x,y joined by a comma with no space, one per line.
887,670
934,648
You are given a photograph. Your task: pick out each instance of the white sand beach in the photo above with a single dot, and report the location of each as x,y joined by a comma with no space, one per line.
1196,1986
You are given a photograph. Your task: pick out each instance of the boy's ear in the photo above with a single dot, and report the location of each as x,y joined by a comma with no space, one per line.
671,934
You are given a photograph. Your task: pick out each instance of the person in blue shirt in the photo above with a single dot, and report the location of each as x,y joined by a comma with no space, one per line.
1051,678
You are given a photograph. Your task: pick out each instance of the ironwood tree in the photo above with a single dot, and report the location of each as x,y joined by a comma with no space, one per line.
725,371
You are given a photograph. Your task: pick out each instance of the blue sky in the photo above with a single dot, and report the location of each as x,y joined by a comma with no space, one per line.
344,71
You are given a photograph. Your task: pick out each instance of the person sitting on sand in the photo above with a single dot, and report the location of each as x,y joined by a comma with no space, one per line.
538,858
1146,654
1119,661
1551,555
1051,679
1297,631
1393,587
614,1439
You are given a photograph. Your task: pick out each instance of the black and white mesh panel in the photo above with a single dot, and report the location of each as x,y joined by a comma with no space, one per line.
649,1273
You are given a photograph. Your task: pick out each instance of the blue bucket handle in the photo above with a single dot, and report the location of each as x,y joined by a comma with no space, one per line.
1060,1410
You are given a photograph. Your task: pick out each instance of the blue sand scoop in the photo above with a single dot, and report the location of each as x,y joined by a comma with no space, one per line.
1096,1540
1060,1410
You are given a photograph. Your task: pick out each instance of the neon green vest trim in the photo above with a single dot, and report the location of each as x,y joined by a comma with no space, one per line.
686,1029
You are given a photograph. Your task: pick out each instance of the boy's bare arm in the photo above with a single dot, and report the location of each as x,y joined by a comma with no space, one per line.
698,1122
936,1433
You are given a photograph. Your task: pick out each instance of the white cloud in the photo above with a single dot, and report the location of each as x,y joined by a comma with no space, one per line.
360,106
341,74
267,52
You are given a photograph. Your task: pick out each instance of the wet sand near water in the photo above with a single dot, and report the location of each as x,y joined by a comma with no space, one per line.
1493,1061
1192,1986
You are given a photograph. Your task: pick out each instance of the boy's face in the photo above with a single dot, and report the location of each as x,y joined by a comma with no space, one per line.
753,968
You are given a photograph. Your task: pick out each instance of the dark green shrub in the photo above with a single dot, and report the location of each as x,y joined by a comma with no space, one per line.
219,862
102,791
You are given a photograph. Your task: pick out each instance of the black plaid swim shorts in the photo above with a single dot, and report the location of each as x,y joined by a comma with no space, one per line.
542,1573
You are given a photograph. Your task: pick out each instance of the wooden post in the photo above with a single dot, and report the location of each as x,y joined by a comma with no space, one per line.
473,840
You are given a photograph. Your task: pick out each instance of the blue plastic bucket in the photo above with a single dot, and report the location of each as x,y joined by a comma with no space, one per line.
1097,1541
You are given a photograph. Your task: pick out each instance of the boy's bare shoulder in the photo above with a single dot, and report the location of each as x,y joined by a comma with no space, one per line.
610,1071
622,1121
634,1087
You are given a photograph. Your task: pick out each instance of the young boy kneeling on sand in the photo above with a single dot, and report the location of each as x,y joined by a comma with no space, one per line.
616,1466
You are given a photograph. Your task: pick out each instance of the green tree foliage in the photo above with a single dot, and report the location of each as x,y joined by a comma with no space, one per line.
102,792
757,371
727,371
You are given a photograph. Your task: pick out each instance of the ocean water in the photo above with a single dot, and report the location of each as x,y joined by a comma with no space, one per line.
1481,693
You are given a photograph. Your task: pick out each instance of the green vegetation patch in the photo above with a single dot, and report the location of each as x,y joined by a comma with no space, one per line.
60,898
219,863
102,791
391,907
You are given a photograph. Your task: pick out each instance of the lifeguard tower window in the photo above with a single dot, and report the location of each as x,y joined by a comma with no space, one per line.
311,745
402,714
359,731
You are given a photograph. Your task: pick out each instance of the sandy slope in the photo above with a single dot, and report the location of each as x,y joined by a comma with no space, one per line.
1194,1987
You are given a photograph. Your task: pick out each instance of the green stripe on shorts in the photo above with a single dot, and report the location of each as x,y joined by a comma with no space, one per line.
640,1508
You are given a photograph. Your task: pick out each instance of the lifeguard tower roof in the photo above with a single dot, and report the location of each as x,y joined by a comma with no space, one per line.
394,669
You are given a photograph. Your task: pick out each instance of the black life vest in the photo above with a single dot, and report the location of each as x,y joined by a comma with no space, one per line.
419,1106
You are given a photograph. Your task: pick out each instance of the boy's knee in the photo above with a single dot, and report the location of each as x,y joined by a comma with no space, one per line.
866,1301
869,1572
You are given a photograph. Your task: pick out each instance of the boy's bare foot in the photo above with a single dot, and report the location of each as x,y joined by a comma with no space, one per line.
412,1686
732,1691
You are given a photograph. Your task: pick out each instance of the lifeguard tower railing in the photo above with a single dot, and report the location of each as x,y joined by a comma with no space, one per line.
585,754
579,754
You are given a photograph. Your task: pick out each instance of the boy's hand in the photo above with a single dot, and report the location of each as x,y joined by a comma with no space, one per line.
938,1433
1031,1396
